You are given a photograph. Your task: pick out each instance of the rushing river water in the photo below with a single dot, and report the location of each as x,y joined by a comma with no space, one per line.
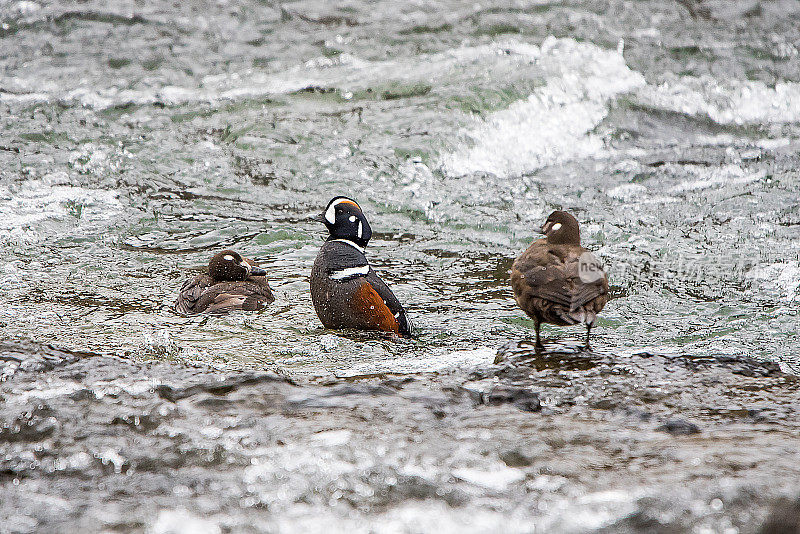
140,137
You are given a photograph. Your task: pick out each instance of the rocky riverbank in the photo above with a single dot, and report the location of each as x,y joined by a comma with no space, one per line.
561,442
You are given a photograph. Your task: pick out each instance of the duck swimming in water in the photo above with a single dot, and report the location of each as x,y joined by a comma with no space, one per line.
346,292
232,283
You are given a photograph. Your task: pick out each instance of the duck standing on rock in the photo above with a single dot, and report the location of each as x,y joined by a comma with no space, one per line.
557,281
232,283
346,292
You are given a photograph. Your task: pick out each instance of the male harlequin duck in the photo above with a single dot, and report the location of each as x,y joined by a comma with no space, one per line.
345,290
232,283
556,280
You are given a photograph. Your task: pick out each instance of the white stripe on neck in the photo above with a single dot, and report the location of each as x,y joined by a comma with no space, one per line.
362,270
361,250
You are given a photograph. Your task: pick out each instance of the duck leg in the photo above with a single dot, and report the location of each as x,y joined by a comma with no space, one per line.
588,331
538,339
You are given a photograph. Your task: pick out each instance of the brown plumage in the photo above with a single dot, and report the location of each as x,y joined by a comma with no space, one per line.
556,280
232,283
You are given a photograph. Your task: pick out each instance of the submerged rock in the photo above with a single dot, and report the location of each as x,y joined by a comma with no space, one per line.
784,518
679,427
521,397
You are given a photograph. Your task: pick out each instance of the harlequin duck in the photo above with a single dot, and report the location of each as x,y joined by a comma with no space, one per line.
345,290
232,283
556,280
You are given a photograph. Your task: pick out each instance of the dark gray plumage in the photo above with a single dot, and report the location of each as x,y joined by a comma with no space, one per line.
345,290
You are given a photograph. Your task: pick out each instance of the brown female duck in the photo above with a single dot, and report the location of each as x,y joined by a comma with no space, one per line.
557,281
232,283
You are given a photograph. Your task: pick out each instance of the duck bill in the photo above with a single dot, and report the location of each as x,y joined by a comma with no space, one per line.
257,271
320,218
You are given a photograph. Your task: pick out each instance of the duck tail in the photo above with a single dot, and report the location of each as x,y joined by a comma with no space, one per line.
578,316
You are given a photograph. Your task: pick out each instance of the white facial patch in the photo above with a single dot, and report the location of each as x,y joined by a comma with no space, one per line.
556,227
330,213
350,272
352,218
228,257
360,229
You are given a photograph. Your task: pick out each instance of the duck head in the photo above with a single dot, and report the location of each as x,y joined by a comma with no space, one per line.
344,220
229,266
561,228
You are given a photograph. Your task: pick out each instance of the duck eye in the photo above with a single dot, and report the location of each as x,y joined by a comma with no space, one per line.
228,257
352,218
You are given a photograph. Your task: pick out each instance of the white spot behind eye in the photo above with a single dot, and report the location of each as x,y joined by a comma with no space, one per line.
556,226
228,257
352,218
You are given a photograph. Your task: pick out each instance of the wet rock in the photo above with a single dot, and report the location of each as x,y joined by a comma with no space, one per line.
339,396
83,394
27,356
679,427
213,403
521,397
143,422
398,383
783,519
750,366
555,356
222,387
360,389
418,488
515,458
604,404
740,365
641,415
365,447
34,424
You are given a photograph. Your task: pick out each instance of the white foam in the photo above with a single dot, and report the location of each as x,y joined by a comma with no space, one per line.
181,521
428,515
726,102
24,7
589,512
498,479
783,278
333,438
44,392
25,207
583,67
553,124
627,192
440,360
708,177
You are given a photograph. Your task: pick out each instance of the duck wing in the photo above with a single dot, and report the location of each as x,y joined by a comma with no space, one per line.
570,278
200,295
228,296
387,308
190,293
